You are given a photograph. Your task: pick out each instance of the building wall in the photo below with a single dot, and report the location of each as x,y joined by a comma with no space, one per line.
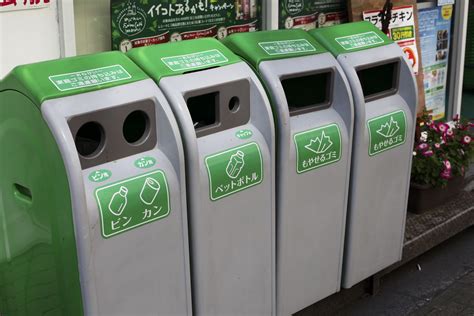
92,22
28,36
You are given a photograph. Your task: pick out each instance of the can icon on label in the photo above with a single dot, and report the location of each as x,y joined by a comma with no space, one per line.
149,191
235,165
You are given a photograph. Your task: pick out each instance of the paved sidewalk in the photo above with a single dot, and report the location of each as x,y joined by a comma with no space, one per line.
440,282
457,299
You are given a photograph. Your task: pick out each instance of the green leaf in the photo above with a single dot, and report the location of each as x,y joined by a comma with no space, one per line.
115,34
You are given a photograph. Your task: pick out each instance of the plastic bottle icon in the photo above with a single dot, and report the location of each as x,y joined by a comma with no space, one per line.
235,165
150,190
118,202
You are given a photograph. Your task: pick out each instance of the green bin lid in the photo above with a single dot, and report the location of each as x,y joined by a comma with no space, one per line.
256,47
350,37
70,76
177,58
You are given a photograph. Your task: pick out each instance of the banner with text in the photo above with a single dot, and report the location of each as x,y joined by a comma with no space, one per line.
402,30
138,23
311,14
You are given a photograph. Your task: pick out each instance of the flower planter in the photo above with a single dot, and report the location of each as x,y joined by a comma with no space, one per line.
424,197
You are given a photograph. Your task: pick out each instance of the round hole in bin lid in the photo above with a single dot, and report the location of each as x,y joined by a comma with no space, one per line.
89,139
136,127
234,104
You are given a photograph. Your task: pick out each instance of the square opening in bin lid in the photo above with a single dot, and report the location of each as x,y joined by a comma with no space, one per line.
256,47
70,76
350,37
177,58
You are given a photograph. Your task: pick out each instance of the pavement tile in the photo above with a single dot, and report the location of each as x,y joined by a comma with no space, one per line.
450,309
468,279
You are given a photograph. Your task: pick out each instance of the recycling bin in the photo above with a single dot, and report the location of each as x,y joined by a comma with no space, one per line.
92,192
385,101
312,104
227,128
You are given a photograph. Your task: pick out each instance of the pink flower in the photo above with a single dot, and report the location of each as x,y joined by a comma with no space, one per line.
443,127
428,153
450,132
437,145
446,174
456,118
466,140
423,146
447,165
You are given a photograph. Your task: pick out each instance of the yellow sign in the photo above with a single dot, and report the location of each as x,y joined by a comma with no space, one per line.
447,11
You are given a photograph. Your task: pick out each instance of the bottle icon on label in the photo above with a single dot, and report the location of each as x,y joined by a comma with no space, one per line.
118,202
235,165
150,190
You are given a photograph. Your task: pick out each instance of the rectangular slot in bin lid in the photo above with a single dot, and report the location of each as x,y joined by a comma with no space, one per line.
70,76
379,80
177,58
309,92
350,37
256,47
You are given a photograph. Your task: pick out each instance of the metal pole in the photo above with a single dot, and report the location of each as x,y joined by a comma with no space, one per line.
457,60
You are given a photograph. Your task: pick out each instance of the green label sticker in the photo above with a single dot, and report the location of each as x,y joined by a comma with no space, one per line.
195,60
100,175
403,33
145,162
287,47
386,132
244,134
89,78
133,202
361,40
234,170
317,147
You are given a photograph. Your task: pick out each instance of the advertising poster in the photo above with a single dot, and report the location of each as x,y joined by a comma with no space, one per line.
401,30
11,5
138,23
310,14
435,28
